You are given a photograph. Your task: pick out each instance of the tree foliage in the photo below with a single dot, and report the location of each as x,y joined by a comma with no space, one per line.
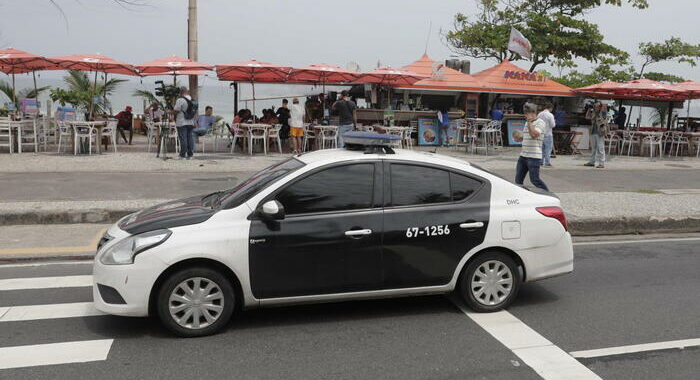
557,30
6,89
81,90
673,49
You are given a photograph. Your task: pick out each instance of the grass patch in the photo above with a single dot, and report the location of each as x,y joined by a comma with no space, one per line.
647,191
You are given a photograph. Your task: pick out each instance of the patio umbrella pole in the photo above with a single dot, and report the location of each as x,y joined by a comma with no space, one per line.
104,93
14,94
92,95
253,85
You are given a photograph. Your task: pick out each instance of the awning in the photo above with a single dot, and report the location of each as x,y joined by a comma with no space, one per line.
441,78
507,78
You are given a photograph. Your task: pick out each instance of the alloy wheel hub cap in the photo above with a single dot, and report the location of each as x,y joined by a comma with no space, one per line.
491,283
196,303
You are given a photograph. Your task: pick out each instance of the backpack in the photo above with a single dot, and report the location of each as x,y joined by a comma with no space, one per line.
191,110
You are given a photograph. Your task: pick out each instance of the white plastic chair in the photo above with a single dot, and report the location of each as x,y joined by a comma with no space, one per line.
273,136
64,130
629,139
329,135
110,131
151,134
309,134
27,135
238,134
679,140
84,132
258,133
653,141
6,134
612,140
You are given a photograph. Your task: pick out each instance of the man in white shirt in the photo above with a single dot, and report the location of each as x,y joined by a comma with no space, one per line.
548,138
531,154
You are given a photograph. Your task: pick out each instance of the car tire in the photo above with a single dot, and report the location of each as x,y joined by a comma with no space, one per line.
490,282
199,293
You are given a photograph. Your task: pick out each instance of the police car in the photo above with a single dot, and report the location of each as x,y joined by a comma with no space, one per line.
332,225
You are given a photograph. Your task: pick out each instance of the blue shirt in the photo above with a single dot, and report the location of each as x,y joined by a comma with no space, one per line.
205,122
496,115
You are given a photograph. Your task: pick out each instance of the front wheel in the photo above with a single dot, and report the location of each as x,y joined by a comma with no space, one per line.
490,282
195,302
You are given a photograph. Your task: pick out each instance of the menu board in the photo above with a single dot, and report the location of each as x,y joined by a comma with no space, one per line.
428,133
514,127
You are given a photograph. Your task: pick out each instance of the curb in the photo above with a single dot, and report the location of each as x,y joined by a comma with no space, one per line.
633,225
64,217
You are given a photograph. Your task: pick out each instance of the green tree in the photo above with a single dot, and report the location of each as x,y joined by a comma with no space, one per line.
80,91
673,49
6,88
557,30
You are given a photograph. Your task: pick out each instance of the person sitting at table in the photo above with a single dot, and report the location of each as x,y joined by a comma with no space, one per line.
124,122
154,113
203,123
620,118
283,118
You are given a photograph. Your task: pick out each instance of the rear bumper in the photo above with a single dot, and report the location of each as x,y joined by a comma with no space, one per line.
550,261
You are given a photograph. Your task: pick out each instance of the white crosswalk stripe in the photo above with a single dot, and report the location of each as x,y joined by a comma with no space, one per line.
45,282
54,353
50,311
32,355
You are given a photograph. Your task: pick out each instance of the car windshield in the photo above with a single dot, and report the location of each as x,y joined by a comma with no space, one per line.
258,181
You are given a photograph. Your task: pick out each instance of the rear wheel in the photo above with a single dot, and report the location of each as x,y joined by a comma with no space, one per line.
490,282
196,302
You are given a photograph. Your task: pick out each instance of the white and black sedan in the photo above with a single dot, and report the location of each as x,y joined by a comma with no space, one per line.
332,225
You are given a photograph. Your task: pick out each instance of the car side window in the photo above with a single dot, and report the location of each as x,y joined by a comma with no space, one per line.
463,186
418,185
340,188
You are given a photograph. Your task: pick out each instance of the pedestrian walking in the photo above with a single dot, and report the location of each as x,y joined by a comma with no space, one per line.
185,111
531,154
444,125
296,123
598,115
345,108
548,140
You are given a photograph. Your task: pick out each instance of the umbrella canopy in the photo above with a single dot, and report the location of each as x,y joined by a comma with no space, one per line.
253,71
692,88
646,87
94,62
175,72
441,77
390,76
507,78
599,87
322,73
13,61
170,64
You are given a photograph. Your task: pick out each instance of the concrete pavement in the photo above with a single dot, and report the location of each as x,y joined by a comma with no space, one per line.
620,294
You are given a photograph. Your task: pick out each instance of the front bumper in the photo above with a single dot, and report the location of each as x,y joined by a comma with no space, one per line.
132,282
549,261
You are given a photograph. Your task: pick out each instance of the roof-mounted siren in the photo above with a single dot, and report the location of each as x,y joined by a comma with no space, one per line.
371,142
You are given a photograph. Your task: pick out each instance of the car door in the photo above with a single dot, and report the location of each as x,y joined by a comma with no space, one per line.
330,238
433,216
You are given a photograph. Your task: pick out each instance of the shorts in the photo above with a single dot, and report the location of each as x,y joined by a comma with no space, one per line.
296,132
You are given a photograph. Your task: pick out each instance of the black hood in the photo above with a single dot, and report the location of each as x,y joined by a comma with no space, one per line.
177,213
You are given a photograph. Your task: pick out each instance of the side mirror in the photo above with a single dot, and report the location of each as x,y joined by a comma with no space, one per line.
271,210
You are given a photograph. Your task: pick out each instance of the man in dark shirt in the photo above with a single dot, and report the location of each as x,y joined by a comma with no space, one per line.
283,117
345,108
124,121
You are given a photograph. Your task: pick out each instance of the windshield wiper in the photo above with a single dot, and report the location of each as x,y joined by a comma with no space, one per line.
204,199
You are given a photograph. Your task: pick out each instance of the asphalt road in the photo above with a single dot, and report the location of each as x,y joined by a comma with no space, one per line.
67,186
620,294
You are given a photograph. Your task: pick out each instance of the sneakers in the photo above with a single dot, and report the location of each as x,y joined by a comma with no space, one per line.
547,166
589,164
601,166
189,158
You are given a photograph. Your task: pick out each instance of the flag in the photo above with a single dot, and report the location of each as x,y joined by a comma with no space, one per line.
519,44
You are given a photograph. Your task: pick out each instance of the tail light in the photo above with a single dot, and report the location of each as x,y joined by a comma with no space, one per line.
556,213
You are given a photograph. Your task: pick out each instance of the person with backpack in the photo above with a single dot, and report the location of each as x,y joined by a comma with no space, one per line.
185,111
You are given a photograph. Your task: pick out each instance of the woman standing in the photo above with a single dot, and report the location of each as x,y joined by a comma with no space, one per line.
296,124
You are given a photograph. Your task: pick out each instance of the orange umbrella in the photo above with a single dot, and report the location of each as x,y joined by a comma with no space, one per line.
13,61
390,77
253,71
324,74
175,73
96,63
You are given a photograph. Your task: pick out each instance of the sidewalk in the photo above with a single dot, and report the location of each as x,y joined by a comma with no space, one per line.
631,195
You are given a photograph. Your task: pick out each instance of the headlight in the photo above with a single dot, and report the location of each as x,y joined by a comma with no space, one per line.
123,252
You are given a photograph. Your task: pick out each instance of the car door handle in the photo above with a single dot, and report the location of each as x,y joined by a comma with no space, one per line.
352,233
472,225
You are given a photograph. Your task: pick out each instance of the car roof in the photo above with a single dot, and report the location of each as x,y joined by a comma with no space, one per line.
327,156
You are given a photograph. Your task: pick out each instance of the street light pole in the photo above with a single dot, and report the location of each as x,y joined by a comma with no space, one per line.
192,44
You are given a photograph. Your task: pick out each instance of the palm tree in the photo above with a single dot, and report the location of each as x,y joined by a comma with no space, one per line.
6,88
150,97
79,81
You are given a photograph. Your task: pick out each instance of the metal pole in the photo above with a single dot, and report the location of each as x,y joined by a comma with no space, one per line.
192,45
92,95
235,98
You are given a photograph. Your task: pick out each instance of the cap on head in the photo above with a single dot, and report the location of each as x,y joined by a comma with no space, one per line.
128,108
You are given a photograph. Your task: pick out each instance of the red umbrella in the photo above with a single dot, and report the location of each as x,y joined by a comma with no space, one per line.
647,87
96,63
13,61
692,90
324,74
175,73
170,64
253,71
390,77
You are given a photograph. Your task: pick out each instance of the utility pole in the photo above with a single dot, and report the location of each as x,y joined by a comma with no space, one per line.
192,44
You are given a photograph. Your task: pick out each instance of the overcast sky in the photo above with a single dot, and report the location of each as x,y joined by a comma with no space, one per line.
298,32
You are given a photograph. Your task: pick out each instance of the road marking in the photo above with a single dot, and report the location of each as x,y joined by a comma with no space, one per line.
548,360
678,344
55,353
41,264
90,248
45,282
611,242
51,311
